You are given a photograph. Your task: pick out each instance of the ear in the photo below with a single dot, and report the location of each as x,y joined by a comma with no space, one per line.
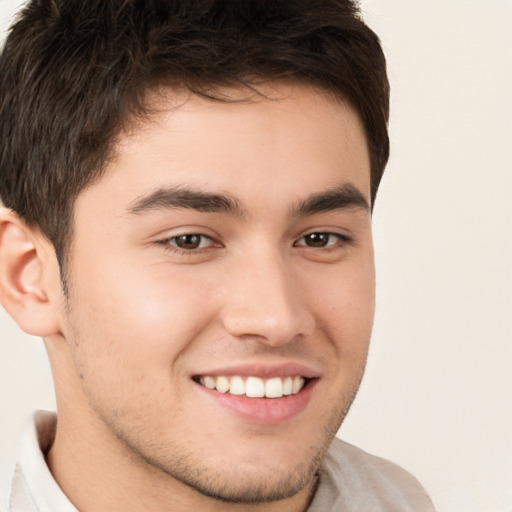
29,276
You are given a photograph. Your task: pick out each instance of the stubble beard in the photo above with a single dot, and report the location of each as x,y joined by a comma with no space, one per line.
235,484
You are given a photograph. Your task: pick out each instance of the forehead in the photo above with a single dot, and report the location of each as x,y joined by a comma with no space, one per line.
290,140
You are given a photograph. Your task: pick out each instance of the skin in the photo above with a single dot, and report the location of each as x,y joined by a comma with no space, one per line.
144,316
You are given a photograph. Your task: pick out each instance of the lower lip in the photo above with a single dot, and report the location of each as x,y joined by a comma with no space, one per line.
263,411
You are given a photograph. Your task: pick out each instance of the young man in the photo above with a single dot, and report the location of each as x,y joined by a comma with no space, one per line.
187,191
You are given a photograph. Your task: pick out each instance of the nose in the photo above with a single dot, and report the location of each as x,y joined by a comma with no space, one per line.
265,302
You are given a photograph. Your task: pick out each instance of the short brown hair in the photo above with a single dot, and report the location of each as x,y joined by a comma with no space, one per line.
73,71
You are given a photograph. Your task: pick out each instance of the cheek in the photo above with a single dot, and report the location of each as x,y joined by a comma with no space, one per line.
161,293
346,306
348,292
141,318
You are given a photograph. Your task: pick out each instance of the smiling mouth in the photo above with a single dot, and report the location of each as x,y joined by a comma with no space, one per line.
254,387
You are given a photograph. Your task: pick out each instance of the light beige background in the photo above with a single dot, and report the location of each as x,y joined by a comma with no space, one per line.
437,397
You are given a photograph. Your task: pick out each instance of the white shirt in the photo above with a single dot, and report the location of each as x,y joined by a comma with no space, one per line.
351,480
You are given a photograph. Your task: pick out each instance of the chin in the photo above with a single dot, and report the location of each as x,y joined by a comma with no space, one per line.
253,485
268,469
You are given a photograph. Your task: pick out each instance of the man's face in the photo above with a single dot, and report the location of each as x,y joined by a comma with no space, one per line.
227,244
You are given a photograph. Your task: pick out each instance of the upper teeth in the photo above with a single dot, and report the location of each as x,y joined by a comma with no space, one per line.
255,387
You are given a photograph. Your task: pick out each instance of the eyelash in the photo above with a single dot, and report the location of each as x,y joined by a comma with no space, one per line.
340,240
171,242
168,243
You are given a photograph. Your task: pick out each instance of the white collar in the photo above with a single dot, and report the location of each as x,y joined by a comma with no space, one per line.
33,487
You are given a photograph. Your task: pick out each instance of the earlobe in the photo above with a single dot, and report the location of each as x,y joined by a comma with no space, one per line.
24,282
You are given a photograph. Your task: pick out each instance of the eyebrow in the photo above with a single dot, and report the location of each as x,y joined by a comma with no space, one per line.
184,197
346,196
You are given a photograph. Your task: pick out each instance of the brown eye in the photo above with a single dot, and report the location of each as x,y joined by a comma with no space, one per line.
320,240
317,239
191,241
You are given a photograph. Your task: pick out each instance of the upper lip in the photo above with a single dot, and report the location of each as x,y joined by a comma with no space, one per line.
263,371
